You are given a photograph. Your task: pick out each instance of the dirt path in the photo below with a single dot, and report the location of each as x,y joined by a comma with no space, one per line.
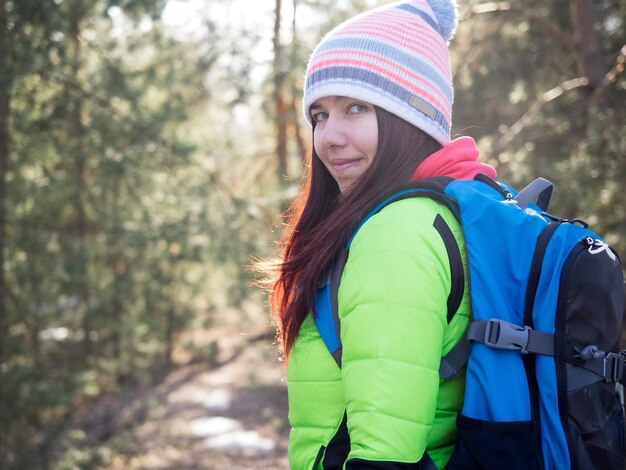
228,414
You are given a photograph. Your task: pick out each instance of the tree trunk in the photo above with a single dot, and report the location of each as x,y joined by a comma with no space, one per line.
169,335
80,224
281,108
588,41
5,105
117,267
296,92
170,314
300,142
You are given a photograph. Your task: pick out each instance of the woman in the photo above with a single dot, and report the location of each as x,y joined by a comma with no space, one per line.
378,95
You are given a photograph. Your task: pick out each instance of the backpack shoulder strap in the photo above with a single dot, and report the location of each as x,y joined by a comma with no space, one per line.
326,311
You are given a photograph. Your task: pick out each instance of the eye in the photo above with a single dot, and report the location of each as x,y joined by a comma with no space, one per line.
356,108
319,116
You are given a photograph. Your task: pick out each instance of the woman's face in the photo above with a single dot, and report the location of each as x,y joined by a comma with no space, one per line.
345,137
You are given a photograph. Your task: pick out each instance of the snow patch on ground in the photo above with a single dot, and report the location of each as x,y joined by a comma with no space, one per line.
226,433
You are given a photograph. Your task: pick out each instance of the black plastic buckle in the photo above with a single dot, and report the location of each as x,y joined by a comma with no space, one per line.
614,366
504,335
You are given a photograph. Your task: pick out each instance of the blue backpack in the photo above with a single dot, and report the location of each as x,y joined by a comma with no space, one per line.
542,356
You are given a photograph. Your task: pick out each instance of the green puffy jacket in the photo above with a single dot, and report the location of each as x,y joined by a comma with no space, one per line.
394,331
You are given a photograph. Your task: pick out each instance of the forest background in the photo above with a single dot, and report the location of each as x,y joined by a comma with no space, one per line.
148,146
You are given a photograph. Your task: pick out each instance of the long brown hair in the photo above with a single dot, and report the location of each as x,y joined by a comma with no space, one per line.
320,222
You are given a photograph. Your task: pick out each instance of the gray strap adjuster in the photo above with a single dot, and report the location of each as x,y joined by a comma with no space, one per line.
502,334
453,362
609,368
613,367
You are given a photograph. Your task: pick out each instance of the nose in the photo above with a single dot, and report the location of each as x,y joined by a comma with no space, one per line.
333,132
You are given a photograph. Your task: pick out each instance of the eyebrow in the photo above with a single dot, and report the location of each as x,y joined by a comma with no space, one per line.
335,99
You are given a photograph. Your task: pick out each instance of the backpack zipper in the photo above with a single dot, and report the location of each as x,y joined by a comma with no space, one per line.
505,193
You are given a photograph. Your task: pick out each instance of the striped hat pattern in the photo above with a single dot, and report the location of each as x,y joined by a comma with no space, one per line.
395,57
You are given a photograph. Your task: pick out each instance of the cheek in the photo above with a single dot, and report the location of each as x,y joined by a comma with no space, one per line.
316,139
371,136
370,142
317,145
373,146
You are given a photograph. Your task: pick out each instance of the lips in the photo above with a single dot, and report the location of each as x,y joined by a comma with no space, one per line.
346,164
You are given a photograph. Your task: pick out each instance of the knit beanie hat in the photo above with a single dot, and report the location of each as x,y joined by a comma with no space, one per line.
395,57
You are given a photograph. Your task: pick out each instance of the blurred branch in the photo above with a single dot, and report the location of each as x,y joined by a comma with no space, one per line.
506,7
534,110
613,74
609,78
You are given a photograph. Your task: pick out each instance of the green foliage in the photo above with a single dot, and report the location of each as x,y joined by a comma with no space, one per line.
142,177
116,220
519,93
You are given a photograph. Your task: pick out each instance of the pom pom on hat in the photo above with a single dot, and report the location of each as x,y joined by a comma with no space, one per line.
395,57
445,12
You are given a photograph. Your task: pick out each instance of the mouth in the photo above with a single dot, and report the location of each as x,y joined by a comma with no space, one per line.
345,164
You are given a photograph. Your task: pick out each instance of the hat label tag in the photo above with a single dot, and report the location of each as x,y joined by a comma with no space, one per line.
423,107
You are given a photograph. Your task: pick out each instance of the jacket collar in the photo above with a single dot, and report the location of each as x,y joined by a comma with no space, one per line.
458,160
